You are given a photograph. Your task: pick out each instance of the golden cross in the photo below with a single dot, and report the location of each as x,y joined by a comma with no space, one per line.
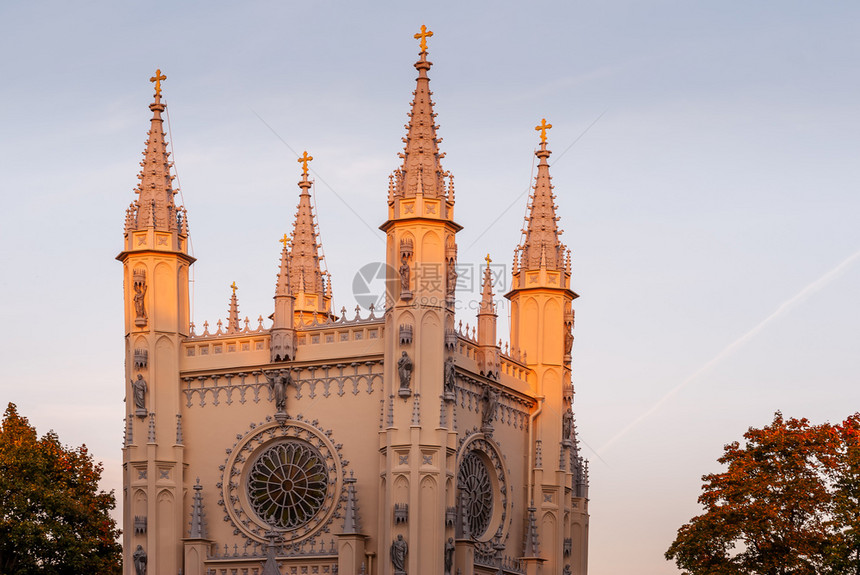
488,260
157,79
304,162
542,128
423,34
284,240
235,287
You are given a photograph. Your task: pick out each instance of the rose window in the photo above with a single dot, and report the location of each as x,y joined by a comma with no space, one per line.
287,484
476,490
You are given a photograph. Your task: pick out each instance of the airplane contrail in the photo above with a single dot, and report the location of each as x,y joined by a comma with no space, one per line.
782,309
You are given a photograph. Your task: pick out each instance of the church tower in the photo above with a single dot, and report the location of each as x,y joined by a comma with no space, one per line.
541,326
421,251
155,262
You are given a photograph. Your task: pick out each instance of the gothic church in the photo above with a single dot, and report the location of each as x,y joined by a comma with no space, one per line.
322,442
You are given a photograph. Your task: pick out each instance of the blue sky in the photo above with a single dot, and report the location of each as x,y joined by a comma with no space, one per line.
705,162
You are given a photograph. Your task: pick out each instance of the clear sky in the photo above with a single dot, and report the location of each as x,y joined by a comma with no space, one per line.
705,162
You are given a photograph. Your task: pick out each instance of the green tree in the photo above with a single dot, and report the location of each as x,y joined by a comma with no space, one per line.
786,505
54,519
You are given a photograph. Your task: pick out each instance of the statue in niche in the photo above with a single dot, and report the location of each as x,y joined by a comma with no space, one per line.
449,555
138,388
139,307
452,277
399,551
566,570
139,557
404,275
279,381
450,377
567,428
490,399
404,370
568,340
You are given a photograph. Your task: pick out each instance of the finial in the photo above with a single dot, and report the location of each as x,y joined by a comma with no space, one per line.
303,160
542,128
423,35
234,287
157,79
284,240
488,260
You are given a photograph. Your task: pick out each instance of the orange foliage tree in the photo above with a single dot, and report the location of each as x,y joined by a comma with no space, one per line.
787,504
53,517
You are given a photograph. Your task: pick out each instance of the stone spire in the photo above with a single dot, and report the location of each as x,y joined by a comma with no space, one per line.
198,523
350,516
487,305
488,348
421,172
304,273
154,206
283,287
283,322
542,247
531,545
233,311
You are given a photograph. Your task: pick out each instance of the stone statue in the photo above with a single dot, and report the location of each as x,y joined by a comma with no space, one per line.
399,551
568,341
450,376
449,555
566,570
490,398
452,277
139,293
404,276
404,370
279,382
138,387
567,427
139,557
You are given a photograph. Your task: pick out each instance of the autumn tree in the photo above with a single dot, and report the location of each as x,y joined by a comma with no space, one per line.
786,505
54,519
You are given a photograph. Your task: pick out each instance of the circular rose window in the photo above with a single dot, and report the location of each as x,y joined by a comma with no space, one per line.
287,484
477,493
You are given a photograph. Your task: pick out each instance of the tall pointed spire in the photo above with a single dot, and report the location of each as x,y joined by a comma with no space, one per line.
233,311
421,172
488,348
542,246
301,272
154,206
487,305
283,288
283,333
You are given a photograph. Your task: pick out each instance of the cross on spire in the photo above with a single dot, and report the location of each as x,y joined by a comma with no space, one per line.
488,260
423,35
542,128
284,240
303,160
157,79
235,287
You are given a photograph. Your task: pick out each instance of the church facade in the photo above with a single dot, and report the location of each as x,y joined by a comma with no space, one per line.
388,442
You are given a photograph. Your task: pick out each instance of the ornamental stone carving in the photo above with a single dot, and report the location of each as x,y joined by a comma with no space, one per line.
404,371
294,481
399,551
450,378
139,558
490,403
138,388
139,286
